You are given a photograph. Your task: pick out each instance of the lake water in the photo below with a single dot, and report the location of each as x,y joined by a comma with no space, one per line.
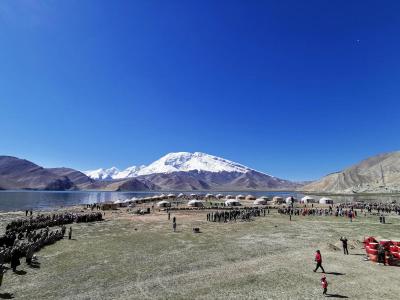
45,200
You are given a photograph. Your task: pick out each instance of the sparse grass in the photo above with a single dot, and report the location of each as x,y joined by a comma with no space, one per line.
268,258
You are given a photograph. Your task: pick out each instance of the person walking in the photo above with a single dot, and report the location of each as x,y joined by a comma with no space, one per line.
324,284
70,233
343,239
318,259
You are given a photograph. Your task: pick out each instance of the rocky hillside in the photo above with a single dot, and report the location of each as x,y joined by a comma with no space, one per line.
377,174
18,173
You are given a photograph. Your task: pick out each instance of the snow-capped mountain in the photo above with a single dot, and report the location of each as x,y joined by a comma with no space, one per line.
173,162
102,174
188,171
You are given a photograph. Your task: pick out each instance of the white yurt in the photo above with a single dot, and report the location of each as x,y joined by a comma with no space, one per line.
325,200
193,196
162,196
250,197
181,195
195,203
209,196
232,202
307,199
265,198
240,197
277,200
260,201
290,199
171,196
163,204
219,196
229,197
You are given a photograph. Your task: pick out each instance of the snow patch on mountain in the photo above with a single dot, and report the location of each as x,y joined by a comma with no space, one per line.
173,162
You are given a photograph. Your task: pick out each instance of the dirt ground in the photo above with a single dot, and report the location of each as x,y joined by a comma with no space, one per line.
139,257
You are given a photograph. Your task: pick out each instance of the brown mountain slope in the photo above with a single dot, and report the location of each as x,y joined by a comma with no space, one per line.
377,174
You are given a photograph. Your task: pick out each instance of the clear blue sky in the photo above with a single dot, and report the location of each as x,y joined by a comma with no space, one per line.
297,89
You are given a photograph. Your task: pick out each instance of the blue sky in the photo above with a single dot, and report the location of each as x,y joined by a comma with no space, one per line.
297,89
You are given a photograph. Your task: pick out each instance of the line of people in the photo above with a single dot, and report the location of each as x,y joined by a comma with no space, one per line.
243,214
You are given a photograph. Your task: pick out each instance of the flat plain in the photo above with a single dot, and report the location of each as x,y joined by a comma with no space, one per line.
130,256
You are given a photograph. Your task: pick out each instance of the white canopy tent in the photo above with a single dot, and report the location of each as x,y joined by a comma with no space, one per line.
325,200
195,203
163,204
232,202
260,201
307,199
290,199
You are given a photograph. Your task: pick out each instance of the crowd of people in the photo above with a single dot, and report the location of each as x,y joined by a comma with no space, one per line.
43,221
244,214
330,211
24,237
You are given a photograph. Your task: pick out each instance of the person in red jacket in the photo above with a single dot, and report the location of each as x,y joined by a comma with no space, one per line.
324,284
318,259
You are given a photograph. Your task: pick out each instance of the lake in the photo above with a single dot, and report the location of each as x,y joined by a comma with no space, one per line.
46,200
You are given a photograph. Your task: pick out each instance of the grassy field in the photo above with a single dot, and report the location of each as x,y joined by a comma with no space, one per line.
139,257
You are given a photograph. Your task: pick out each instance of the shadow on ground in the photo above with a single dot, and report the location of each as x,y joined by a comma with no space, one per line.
6,296
336,296
335,273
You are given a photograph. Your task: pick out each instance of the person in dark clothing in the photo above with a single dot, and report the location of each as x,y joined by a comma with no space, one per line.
174,220
15,262
174,226
381,254
70,233
318,259
343,239
169,216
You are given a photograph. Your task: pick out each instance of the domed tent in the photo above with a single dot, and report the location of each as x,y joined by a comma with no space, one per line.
250,197
229,197
162,196
290,200
307,199
195,203
240,197
181,195
325,200
277,200
219,196
171,196
193,196
232,202
163,204
260,201
209,196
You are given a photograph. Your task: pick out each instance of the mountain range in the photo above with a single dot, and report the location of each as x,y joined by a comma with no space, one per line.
186,171
174,171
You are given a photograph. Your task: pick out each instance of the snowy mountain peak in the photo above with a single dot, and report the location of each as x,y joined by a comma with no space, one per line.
186,161
173,162
103,174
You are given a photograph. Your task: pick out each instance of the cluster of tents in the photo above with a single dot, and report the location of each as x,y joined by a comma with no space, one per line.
195,200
